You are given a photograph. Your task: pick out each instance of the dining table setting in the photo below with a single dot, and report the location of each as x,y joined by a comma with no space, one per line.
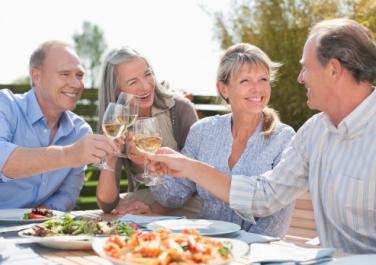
18,244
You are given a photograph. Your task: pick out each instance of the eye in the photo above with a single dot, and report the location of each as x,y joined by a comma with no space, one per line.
65,74
80,76
243,81
148,73
264,79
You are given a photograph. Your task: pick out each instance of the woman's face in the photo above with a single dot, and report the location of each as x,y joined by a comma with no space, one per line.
136,77
248,89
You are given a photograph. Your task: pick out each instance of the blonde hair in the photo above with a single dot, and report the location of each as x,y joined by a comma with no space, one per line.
230,63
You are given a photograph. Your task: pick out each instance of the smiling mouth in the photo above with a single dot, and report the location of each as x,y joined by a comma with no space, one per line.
255,99
144,96
71,94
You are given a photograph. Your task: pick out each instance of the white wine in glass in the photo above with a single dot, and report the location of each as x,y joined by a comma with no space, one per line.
113,126
148,139
131,106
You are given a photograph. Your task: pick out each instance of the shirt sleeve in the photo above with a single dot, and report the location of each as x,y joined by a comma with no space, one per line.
6,132
175,192
278,223
263,195
65,198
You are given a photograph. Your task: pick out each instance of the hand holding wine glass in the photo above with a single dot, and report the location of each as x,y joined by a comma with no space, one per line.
113,125
148,139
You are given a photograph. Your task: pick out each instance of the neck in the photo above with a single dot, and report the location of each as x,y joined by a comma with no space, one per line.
347,99
243,126
143,113
49,112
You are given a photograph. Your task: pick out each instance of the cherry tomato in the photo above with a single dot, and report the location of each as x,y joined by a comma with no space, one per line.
36,216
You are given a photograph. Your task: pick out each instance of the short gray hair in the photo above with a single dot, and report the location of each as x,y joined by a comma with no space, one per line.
349,42
109,83
39,55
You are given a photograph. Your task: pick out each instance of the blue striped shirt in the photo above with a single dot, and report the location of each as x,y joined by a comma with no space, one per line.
210,140
337,165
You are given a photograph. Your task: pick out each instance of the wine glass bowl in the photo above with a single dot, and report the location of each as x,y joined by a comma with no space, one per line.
148,139
131,107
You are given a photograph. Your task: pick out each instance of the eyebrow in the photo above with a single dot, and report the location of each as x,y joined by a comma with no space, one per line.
130,80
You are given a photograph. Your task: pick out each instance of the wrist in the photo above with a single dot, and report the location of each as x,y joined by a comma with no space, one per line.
195,169
66,155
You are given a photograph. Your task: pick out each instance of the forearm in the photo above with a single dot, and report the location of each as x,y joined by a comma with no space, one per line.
107,191
211,179
25,162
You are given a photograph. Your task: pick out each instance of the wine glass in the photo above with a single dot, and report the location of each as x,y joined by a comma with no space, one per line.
148,139
131,107
113,126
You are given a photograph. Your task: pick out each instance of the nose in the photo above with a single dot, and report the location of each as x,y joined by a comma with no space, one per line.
300,77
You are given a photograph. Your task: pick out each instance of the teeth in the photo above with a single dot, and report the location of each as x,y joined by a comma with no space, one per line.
72,95
255,99
143,96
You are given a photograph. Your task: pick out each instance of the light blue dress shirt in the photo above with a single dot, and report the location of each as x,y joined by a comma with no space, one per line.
23,125
210,140
337,165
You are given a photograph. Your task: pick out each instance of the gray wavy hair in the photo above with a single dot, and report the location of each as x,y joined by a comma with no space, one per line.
109,83
349,42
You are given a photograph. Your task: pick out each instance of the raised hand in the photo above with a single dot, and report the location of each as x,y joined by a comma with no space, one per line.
91,149
167,161
134,153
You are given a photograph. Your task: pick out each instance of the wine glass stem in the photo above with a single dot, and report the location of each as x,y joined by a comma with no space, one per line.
146,172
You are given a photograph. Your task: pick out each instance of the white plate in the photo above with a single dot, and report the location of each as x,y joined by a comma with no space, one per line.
367,259
58,242
206,227
239,248
15,216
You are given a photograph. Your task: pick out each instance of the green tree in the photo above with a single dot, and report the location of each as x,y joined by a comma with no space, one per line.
280,28
90,45
22,80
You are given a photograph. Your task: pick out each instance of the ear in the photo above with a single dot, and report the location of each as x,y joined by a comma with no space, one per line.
335,68
35,76
222,89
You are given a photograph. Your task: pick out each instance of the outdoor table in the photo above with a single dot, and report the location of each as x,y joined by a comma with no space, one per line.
89,257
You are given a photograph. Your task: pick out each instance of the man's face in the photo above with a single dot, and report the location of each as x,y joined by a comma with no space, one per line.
59,81
315,78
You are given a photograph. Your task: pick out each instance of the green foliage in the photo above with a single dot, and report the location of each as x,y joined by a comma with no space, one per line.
90,45
280,28
23,80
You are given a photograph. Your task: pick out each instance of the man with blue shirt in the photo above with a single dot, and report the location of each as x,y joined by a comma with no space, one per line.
44,146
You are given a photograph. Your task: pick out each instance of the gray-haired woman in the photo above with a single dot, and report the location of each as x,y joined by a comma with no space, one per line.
124,69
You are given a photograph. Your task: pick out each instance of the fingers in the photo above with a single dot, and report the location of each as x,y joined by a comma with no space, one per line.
133,207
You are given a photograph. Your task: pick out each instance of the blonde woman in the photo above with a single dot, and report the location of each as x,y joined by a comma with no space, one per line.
248,141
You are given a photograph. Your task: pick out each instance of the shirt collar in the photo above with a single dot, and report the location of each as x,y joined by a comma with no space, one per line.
353,123
66,124
32,108
169,101
35,114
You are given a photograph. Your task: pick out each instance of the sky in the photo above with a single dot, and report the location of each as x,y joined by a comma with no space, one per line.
175,35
